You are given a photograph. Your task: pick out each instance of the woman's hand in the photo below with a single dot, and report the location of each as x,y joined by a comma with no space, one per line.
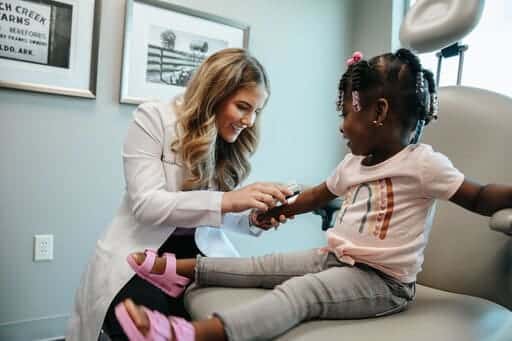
260,196
266,224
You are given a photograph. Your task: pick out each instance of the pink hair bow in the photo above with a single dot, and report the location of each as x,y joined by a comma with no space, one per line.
356,56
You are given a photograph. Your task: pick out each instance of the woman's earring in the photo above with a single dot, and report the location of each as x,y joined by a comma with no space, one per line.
378,124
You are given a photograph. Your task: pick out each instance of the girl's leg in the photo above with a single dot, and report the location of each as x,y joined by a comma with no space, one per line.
259,272
341,292
263,271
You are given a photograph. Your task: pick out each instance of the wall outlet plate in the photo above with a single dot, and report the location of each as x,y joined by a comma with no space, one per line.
43,247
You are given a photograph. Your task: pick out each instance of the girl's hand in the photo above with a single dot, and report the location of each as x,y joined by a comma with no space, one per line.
266,224
260,196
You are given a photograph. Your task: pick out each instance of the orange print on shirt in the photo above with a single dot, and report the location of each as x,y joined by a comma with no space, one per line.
377,199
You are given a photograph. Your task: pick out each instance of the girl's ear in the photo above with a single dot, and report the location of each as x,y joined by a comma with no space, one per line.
382,109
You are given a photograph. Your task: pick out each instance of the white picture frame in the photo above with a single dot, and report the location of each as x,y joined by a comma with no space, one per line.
164,43
50,46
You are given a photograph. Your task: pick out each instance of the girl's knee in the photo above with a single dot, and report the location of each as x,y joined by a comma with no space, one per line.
305,294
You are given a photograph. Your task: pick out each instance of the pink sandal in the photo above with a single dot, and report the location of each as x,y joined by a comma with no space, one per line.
159,326
169,282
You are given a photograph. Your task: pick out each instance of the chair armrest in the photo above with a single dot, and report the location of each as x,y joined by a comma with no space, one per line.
327,213
501,221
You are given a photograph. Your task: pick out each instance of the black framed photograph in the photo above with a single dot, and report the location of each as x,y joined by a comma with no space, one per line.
164,43
49,46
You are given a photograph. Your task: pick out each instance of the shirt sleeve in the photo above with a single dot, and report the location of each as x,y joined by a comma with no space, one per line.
239,223
440,179
334,182
150,201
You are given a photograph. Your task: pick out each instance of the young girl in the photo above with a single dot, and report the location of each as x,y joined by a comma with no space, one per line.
389,183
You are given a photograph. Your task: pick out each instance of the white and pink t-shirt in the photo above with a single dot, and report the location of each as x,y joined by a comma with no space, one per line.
387,209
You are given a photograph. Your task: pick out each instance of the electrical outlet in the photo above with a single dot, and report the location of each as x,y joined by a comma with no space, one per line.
43,247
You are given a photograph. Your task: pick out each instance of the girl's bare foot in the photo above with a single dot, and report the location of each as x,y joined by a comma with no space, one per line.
158,266
184,267
138,316
211,329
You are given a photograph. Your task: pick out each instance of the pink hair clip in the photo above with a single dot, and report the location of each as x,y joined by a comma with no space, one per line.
356,57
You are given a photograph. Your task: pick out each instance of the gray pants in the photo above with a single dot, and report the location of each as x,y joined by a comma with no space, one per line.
307,285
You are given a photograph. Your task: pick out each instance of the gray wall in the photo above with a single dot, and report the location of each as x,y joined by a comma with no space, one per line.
61,166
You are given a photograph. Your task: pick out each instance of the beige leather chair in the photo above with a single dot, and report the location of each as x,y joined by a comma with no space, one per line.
465,290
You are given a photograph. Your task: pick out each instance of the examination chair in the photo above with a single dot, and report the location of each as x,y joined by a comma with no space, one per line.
464,292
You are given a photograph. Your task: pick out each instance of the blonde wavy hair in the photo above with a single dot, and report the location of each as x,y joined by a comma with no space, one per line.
207,157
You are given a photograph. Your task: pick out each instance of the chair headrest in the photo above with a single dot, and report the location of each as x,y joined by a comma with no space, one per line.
431,25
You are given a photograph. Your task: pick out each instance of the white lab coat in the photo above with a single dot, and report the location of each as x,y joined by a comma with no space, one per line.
151,208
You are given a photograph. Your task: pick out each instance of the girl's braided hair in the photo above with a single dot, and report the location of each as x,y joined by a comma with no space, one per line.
398,77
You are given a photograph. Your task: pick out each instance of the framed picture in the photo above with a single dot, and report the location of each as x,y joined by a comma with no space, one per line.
49,46
164,44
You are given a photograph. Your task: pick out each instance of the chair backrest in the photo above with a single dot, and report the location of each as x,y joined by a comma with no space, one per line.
475,131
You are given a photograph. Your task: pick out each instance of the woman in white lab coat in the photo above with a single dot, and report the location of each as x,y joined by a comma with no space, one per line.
183,161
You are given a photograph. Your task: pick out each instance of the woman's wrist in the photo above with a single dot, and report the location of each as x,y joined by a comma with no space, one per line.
225,206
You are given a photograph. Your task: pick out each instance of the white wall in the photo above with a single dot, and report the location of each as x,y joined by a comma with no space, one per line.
61,166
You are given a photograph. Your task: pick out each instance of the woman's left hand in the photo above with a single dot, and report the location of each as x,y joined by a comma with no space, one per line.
267,223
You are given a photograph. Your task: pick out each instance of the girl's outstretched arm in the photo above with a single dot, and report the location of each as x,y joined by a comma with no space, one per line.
483,199
312,198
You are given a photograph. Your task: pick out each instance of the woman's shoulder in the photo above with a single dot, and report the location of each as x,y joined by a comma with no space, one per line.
157,114
163,110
